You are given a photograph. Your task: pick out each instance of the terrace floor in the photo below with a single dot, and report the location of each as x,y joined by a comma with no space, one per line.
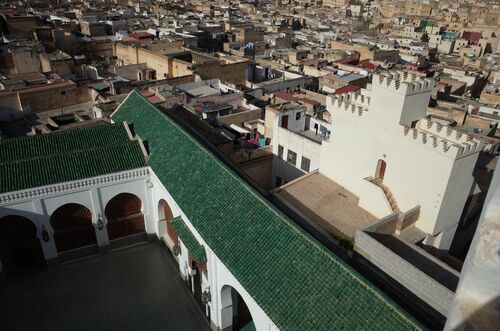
137,288
326,203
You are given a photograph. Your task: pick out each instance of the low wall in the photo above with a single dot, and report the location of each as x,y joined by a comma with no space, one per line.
242,117
423,286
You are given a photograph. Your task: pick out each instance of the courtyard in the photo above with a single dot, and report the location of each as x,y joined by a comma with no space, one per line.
137,288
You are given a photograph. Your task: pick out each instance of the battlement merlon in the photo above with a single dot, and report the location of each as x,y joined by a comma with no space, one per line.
356,104
447,132
403,82
353,98
442,145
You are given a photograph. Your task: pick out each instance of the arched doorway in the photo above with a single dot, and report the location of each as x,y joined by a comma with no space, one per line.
20,248
72,224
166,215
124,216
235,313
380,172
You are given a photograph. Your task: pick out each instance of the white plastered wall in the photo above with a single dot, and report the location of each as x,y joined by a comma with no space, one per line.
93,197
416,174
218,274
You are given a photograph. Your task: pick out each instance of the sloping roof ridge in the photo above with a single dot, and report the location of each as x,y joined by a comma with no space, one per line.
74,152
78,165
268,205
17,149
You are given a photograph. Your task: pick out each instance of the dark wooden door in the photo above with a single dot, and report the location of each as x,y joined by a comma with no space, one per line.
284,122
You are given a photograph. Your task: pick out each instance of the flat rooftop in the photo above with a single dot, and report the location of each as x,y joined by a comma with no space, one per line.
203,91
328,204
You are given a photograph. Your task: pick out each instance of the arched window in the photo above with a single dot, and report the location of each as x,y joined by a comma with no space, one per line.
124,216
72,224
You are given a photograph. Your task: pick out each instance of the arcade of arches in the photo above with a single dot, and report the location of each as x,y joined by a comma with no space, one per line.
124,216
73,229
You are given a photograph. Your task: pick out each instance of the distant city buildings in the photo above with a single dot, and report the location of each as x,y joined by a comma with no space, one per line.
262,142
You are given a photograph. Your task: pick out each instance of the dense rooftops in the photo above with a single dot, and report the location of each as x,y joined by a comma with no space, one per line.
298,283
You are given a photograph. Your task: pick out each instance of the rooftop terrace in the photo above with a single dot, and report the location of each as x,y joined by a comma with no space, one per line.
327,203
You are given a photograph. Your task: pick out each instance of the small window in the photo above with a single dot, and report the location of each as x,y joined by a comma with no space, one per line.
305,164
297,116
291,157
280,151
63,92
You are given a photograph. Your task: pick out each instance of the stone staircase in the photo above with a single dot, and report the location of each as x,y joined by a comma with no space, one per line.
388,194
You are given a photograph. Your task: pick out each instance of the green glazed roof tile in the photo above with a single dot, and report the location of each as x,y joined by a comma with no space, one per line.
61,142
298,283
196,250
67,156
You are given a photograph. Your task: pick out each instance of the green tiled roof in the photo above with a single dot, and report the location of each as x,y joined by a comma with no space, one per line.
61,142
298,283
67,156
194,247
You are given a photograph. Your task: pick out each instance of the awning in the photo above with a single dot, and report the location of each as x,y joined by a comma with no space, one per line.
187,237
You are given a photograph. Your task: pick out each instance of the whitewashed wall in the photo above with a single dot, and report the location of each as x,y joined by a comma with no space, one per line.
218,274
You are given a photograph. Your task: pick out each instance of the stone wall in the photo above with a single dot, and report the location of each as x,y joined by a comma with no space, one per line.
240,118
40,100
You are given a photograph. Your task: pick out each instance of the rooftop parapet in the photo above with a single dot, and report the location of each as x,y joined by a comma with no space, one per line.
450,147
447,132
354,102
403,82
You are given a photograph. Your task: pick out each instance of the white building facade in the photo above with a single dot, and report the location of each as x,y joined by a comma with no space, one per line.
384,143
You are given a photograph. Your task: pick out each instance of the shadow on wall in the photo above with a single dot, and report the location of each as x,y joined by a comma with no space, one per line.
486,317
284,172
21,240
8,114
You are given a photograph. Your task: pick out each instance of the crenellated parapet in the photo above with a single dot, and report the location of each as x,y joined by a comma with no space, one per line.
403,82
443,139
353,102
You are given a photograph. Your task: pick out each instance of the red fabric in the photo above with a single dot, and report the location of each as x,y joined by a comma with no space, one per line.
472,37
347,88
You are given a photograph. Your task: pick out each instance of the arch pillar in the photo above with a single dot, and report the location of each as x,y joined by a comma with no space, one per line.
149,210
226,311
49,248
98,214
102,235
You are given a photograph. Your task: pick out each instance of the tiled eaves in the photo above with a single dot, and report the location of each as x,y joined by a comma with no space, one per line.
70,166
193,246
60,142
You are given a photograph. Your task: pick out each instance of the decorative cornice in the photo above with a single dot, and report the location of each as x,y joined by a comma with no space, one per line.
43,191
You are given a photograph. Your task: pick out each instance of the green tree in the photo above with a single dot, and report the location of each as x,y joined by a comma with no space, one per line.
425,37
